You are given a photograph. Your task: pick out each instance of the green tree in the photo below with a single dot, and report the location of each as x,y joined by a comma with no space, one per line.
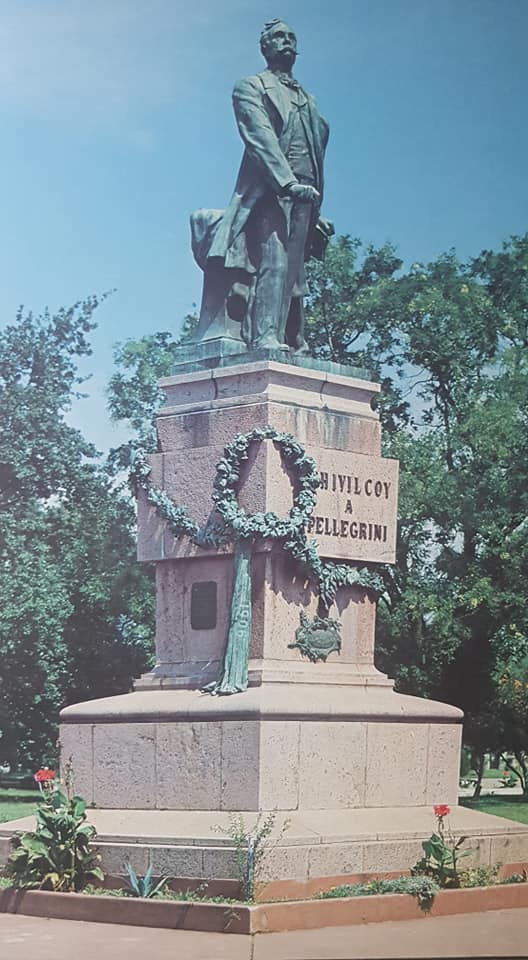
349,316
512,696
448,340
76,611
133,392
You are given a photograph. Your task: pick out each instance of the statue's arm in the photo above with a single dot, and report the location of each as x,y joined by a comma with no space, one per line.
260,139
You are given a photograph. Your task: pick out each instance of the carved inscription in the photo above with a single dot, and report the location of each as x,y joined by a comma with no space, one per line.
355,513
331,527
345,483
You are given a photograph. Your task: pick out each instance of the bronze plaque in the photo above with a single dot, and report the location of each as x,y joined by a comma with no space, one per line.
203,605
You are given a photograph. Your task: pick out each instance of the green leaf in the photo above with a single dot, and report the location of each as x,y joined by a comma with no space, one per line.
34,845
78,806
133,879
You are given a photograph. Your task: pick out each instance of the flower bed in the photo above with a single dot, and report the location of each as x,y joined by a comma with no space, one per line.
307,914
52,870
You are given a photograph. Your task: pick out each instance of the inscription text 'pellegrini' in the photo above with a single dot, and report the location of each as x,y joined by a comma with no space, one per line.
355,512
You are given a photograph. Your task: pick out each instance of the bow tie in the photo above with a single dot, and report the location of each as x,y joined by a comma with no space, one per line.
288,81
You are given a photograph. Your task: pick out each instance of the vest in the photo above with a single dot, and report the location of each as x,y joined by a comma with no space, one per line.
298,149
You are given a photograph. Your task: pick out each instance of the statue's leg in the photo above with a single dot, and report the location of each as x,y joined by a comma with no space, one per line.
292,328
295,326
268,228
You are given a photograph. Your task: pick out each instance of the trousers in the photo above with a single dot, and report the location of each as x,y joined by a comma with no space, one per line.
277,233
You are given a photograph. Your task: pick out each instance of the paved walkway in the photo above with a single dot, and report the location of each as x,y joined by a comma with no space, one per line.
492,788
498,933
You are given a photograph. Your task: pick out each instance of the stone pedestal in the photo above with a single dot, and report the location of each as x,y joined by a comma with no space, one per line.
329,744
355,518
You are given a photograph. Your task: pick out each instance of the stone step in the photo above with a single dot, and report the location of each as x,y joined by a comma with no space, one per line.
303,845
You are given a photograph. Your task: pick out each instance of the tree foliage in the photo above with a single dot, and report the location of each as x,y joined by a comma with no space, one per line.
512,697
449,342
133,392
76,611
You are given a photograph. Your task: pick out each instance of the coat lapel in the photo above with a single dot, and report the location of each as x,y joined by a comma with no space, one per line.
276,92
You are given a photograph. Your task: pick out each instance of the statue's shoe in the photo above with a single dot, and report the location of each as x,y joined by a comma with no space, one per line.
302,348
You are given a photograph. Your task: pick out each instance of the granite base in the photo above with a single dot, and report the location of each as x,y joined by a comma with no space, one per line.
316,843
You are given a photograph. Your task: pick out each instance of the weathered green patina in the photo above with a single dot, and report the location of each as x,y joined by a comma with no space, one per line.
234,676
233,525
317,638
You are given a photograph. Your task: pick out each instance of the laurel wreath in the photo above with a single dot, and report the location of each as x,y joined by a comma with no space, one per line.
232,523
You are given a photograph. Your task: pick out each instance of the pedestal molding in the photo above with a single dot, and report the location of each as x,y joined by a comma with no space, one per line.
285,701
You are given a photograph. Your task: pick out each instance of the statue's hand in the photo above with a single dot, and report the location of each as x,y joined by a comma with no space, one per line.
304,192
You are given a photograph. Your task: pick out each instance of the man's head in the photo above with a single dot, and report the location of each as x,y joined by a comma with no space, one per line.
278,44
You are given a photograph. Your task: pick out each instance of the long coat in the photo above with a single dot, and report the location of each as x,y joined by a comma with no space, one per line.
262,108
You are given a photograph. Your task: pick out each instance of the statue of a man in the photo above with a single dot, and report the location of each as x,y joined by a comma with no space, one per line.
253,253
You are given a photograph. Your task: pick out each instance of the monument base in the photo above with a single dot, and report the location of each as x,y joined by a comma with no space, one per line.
320,737
291,745
325,845
223,351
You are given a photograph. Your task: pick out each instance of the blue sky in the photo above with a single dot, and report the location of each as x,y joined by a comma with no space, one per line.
117,122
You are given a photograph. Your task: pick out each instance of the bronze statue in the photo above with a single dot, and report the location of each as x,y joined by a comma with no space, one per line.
253,253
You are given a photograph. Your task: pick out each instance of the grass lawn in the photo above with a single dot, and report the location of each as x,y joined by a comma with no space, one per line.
511,808
492,774
16,802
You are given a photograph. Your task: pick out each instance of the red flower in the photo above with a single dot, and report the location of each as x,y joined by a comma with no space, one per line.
42,776
441,810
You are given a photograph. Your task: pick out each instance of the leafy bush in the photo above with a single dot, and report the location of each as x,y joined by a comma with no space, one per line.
57,855
99,891
194,896
423,888
480,876
516,878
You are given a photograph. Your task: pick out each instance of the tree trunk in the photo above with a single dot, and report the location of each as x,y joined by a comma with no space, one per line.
479,770
522,772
